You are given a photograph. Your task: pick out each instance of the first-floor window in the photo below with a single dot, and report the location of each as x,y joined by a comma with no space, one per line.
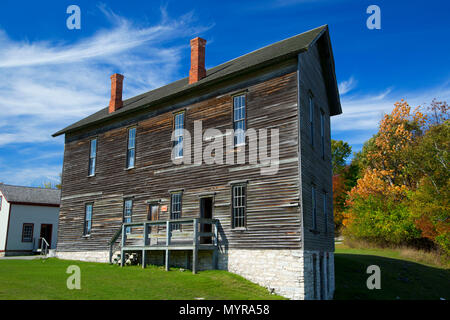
127,213
175,208
239,205
88,219
27,232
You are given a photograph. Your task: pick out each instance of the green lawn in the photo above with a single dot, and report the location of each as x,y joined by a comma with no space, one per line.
46,279
401,278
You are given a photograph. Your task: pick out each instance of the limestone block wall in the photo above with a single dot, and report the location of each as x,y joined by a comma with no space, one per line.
295,274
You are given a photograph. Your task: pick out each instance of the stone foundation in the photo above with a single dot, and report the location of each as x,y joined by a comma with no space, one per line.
89,256
289,273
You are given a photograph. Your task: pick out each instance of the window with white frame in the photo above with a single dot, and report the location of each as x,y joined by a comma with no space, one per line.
88,219
178,134
239,114
131,149
92,157
27,232
175,208
239,193
127,213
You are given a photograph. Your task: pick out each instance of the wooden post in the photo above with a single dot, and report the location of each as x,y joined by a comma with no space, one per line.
195,249
110,252
124,236
167,259
168,233
122,253
145,234
144,257
216,247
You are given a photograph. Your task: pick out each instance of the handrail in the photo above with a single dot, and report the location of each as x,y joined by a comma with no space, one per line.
113,240
116,235
46,246
177,221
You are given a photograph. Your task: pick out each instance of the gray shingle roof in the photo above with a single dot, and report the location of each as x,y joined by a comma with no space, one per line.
265,56
30,194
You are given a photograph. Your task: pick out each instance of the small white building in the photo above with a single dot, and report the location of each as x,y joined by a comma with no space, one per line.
27,215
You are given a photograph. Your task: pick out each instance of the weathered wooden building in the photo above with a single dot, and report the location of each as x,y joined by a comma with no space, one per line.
124,189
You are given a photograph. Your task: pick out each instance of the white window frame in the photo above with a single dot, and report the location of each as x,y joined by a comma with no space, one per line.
87,223
239,119
131,148
178,128
239,205
128,213
92,157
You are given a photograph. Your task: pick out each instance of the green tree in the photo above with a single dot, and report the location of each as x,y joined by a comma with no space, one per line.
340,151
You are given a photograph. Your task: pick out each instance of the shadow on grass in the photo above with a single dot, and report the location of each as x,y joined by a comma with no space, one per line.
400,279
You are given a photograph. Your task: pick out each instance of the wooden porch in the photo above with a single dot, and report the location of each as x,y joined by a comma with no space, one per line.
188,234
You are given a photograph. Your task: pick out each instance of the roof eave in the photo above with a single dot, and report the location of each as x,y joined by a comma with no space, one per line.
193,87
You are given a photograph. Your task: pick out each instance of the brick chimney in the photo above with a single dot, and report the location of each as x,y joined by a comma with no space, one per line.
197,71
116,92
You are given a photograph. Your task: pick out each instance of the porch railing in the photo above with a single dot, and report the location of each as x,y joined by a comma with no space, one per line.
189,234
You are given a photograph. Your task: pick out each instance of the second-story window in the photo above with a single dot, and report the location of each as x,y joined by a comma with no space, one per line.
311,119
239,193
175,208
88,219
239,114
127,213
314,207
178,134
131,149
92,157
322,132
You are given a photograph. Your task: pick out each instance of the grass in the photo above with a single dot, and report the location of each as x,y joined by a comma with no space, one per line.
402,276
46,280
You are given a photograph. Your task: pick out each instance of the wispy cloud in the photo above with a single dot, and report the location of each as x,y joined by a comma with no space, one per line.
47,85
347,86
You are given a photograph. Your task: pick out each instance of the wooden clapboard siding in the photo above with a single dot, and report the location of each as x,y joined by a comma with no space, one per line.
315,169
273,215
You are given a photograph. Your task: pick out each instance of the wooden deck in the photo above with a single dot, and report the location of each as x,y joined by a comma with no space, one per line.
160,236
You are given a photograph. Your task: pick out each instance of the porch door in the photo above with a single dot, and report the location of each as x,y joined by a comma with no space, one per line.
46,233
206,209
153,215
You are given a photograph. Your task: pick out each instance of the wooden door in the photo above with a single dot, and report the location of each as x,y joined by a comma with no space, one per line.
153,215
46,233
206,208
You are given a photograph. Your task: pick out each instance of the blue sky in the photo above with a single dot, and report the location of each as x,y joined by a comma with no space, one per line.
51,76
